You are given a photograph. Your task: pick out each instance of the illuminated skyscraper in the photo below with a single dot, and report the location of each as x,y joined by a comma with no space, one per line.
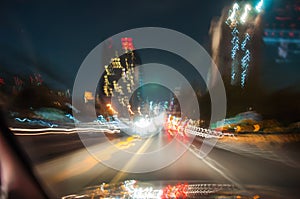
120,76
272,38
236,41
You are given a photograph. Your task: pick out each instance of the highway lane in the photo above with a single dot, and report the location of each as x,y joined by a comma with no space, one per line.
65,166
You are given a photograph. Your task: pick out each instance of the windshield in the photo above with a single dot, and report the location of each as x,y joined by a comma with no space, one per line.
154,99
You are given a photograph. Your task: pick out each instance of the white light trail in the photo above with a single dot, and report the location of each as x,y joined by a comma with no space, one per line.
245,14
58,131
235,47
245,60
259,6
235,43
245,64
233,14
244,43
185,127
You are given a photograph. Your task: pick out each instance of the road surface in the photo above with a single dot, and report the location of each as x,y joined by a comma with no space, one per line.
65,166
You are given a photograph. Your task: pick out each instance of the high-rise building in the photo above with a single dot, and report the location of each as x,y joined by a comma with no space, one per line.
274,39
120,77
234,39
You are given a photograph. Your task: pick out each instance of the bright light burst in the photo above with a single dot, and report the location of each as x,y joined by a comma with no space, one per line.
147,126
142,123
245,64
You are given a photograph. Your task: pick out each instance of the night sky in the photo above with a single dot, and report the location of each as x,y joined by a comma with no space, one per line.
54,37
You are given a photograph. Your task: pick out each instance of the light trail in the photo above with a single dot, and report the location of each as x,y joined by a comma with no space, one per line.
245,60
185,127
57,131
259,6
246,40
34,121
245,14
235,48
231,20
235,42
136,192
